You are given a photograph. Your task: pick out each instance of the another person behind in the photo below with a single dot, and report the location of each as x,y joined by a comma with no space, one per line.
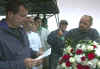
3,23
43,33
34,40
83,32
63,26
14,47
56,41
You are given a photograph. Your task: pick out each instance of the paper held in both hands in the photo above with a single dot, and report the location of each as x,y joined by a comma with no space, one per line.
45,54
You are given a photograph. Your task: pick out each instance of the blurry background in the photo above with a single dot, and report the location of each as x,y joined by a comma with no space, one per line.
70,10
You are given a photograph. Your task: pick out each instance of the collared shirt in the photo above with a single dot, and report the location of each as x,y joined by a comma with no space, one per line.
43,33
34,41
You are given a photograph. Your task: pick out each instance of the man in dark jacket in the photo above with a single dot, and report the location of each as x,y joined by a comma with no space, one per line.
56,41
84,32
14,47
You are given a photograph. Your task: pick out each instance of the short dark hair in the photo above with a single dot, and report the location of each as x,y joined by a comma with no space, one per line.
63,22
37,18
13,5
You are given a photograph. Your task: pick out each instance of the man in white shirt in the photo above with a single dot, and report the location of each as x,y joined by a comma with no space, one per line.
43,33
34,39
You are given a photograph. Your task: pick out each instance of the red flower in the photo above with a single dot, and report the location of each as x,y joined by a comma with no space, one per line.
79,66
66,57
79,51
94,46
86,67
83,58
91,56
68,64
71,50
60,61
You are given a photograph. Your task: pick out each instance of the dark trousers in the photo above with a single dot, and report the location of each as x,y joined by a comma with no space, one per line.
46,63
53,61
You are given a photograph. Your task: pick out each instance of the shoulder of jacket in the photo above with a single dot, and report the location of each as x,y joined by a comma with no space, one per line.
92,30
73,30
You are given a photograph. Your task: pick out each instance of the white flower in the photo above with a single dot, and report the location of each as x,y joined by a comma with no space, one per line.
78,45
63,65
68,50
72,59
90,48
92,63
97,51
85,62
83,47
98,64
68,47
78,58
95,43
98,46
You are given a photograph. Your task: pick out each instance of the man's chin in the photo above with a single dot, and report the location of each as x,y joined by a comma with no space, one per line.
81,29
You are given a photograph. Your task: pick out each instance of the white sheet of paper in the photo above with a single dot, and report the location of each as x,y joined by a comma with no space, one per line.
45,54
